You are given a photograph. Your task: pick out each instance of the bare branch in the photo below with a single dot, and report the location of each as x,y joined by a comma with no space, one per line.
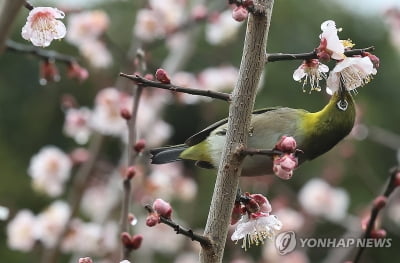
311,55
8,12
391,185
203,240
149,83
39,52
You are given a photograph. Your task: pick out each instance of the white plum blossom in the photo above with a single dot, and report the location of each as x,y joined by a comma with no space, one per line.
170,12
76,124
98,200
20,231
148,26
106,117
254,230
96,53
51,222
86,26
49,169
312,71
91,238
353,71
42,26
222,29
333,44
221,78
318,198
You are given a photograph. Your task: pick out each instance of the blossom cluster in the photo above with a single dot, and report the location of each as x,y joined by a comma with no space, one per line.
25,229
349,72
163,19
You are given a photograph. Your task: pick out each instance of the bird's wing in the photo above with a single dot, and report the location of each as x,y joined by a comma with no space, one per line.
203,134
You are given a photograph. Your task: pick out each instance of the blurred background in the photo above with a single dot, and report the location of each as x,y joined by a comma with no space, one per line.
349,177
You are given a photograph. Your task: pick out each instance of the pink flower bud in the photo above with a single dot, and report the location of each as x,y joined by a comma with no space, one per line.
48,72
85,260
130,172
163,208
240,13
284,166
374,59
126,239
75,71
162,76
380,202
126,114
286,144
139,145
152,219
136,241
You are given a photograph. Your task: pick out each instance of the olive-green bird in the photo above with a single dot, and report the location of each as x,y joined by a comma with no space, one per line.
315,134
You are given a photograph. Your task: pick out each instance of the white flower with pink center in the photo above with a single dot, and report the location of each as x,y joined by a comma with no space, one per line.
254,230
312,71
106,117
318,198
49,169
20,234
42,26
354,72
51,222
76,124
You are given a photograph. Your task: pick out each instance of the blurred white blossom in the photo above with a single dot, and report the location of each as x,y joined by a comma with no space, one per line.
218,78
20,231
318,198
76,124
49,169
86,26
96,53
222,28
51,222
106,117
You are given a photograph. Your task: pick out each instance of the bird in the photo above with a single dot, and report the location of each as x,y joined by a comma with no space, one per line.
315,133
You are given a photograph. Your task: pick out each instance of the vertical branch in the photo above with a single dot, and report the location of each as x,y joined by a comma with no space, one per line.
132,153
243,98
8,11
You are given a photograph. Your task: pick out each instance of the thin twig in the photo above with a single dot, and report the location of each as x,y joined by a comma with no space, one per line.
376,209
203,240
149,83
28,5
312,55
39,52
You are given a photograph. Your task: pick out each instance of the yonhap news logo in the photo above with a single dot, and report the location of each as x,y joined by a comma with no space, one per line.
286,242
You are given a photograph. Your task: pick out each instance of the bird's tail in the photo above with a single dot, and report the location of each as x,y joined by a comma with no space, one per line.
167,154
